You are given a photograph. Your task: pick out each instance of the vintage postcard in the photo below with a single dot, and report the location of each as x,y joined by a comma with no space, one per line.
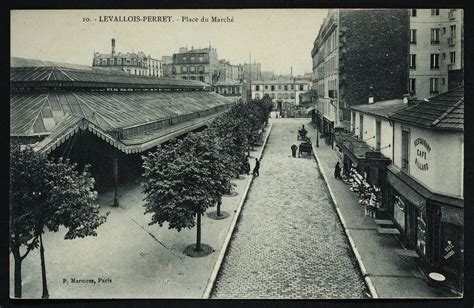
237,154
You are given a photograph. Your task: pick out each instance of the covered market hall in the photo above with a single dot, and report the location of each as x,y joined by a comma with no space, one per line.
102,118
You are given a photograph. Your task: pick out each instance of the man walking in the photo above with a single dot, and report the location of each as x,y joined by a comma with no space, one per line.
257,166
294,147
337,171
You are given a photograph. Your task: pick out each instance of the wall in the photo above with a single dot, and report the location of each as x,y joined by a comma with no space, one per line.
369,126
444,160
374,47
423,23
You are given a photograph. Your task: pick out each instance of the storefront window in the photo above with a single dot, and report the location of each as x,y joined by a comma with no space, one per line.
421,230
399,208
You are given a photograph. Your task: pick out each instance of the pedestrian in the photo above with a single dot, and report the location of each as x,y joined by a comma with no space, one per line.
294,148
247,165
337,171
257,166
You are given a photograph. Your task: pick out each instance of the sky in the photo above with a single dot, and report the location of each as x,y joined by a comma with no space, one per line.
277,38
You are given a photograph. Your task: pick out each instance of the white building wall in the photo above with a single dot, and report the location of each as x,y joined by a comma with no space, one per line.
444,160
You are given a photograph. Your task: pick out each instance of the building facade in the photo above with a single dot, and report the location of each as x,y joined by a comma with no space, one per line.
358,53
436,48
427,183
131,63
228,88
285,94
227,71
196,64
250,71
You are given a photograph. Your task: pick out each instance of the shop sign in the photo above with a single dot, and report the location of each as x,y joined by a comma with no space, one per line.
448,250
422,149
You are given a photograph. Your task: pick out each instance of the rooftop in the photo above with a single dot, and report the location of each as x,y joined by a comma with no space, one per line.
382,108
41,73
445,111
288,81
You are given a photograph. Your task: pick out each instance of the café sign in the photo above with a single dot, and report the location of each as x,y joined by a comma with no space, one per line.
422,149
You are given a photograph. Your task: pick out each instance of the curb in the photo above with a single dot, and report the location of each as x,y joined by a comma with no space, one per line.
220,258
368,281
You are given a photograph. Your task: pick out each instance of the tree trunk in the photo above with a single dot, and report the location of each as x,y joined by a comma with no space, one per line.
16,256
218,213
198,233
43,270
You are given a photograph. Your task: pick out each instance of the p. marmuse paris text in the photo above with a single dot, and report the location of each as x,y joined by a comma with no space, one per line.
87,280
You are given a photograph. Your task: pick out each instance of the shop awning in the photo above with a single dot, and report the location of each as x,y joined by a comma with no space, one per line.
406,191
311,109
452,215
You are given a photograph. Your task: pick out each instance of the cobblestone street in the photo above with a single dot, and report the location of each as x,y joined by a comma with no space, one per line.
288,242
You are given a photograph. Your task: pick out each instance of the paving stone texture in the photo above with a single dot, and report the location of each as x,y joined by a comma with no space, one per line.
288,242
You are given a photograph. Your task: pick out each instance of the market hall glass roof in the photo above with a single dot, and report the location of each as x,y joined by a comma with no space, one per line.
118,106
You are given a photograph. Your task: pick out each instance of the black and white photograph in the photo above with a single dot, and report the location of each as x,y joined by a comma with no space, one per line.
312,153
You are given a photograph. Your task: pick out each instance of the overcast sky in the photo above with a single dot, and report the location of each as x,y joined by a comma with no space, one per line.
278,39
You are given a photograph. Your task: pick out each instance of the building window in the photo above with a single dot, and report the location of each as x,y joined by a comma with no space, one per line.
434,85
413,13
405,149
452,56
279,87
201,78
412,61
435,36
201,69
434,61
266,87
257,95
184,77
421,230
453,30
184,69
272,95
201,59
301,87
412,85
286,87
353,122
192,69
184,59
413,36
273,88
443,81
97,62
192,58
434,12
378,131
361,127
292,95
257,88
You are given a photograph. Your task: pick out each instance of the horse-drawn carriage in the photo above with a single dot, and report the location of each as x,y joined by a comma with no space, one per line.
305,148
301,134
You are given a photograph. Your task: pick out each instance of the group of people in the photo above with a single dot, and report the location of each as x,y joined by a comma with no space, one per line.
246,166
294,147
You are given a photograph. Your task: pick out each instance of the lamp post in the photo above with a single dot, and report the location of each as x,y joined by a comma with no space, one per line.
317,131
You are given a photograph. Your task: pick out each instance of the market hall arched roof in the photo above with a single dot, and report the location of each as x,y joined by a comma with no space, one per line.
133,113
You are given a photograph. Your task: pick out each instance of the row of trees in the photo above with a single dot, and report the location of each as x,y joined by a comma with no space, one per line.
186,177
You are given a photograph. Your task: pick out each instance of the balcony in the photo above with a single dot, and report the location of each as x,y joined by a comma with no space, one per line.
434,42
451,41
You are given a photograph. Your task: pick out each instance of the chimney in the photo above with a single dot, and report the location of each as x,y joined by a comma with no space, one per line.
371,94
113,47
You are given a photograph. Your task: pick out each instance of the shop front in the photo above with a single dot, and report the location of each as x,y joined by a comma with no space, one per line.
364,170
328,130
430,224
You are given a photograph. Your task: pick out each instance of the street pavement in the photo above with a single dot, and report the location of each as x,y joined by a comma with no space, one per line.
134,260
289,242
392,276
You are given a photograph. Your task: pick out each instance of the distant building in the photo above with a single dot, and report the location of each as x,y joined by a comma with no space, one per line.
167,65
285,94
358,53
131,63
250,71
267,75
228,88
227,71
196,64
436,49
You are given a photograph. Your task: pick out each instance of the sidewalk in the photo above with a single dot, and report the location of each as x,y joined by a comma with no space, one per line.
387,274
137,260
